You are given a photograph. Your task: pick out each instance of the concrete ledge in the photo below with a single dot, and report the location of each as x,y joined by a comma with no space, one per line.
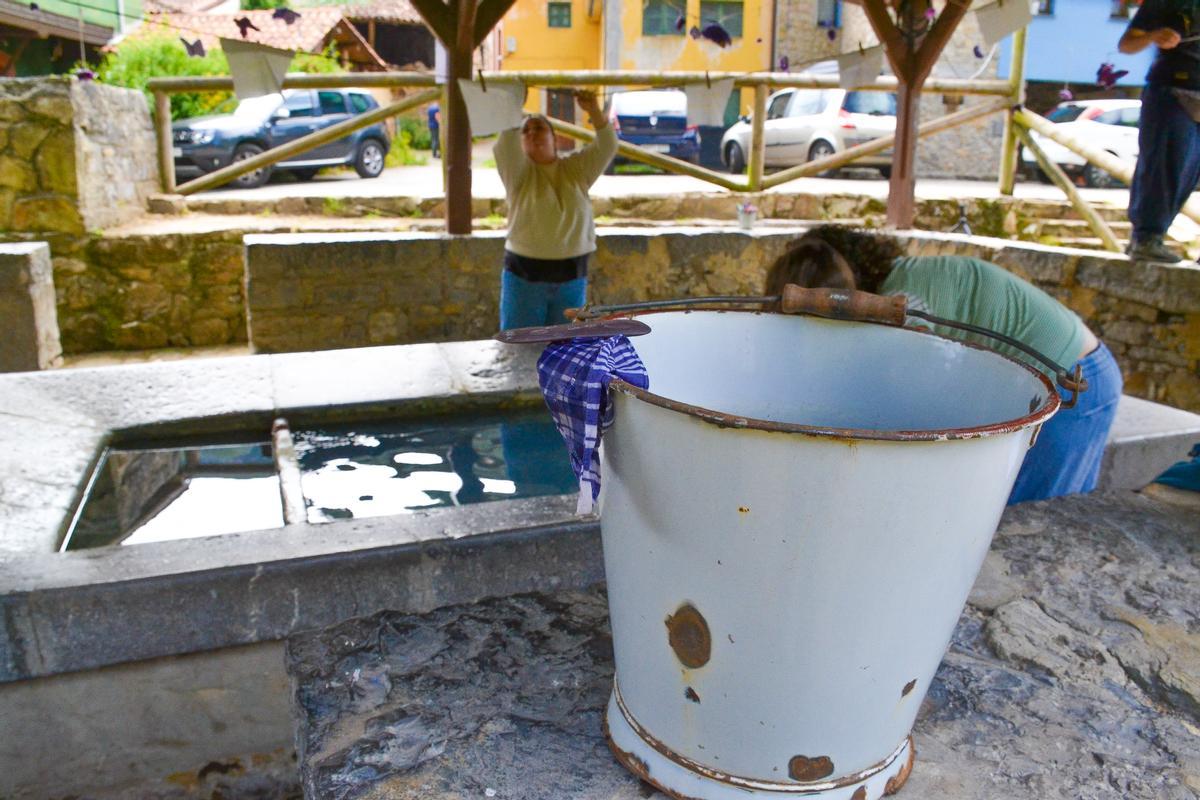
81,610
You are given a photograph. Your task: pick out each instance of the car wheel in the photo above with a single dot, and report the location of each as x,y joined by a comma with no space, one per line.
1099,179
251,180
885,173
369,161
306,174
735,158
821,149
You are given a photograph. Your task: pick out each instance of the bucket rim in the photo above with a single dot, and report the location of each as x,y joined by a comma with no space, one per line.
726,420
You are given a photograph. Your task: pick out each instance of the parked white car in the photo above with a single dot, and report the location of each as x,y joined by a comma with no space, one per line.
1109,124
806,124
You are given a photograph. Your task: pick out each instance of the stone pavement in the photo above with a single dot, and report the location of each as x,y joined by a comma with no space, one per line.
1074,672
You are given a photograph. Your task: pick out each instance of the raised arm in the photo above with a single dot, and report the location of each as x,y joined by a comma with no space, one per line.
510,158
592,160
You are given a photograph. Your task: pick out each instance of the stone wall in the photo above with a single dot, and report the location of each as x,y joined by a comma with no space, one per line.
27,306
74,155
310,292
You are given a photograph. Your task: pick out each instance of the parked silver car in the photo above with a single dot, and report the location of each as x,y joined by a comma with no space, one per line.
807,124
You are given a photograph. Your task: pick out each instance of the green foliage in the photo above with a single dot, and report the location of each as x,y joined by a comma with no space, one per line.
254,5
401,153
418,132
138,60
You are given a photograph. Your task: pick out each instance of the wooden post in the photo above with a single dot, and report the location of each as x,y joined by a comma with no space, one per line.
758,142
902,185
162,126
1008,150
458,125
912,62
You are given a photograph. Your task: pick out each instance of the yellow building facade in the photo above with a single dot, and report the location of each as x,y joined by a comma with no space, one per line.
634,35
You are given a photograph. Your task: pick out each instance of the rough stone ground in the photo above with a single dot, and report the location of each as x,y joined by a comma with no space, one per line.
1074,672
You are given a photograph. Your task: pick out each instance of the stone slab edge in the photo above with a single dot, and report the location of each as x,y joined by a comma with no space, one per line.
271,584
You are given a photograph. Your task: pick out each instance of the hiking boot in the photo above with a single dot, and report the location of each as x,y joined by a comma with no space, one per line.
1152,249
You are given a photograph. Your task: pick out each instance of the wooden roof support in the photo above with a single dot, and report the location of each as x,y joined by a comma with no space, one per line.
461,26
911,53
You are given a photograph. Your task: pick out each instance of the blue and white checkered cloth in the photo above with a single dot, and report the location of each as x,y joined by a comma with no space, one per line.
574,377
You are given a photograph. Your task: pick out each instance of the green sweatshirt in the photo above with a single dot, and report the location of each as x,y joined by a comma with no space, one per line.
549,213
980,293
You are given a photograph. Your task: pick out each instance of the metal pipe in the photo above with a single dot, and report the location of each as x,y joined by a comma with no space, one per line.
1008,149
162,131
758,142
305,143
1094,220
593,77
287,464
653,159
882,143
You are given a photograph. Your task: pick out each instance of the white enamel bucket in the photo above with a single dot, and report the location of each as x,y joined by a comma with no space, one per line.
792,519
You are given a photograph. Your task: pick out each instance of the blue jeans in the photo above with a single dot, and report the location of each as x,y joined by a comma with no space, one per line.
1168,165
1066,457
526,303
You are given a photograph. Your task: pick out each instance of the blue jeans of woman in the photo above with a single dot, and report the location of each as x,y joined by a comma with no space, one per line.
524,303
1070,447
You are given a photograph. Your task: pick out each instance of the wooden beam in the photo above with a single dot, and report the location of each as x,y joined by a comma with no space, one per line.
894,44
669,163
306,143
1054,171
488,16
935,41
882,143
440,19
460,64
758,144
166,144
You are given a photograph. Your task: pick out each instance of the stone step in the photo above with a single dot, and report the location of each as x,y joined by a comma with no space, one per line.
1145,439
1061,209
1060,228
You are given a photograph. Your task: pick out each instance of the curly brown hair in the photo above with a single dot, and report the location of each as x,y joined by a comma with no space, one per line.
809,261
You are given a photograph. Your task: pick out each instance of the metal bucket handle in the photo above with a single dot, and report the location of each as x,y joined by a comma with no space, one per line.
844,304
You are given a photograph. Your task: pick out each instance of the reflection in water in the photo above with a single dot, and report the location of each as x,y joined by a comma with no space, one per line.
145,494
401,467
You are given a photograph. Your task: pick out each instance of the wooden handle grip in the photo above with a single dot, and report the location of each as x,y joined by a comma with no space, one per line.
843,304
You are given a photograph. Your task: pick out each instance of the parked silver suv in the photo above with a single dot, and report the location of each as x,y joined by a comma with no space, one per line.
807,124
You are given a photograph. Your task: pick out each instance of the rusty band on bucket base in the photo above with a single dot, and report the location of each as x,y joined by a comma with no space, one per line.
754,783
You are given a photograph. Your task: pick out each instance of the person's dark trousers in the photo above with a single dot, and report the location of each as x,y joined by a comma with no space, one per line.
1168,163
435,141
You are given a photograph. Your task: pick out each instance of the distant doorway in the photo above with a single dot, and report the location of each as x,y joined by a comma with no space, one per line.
560,104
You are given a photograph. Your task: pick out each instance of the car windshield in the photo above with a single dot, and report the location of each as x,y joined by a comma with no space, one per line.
258,106
641,104
1065,113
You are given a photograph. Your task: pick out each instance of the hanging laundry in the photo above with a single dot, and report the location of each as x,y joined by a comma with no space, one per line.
494,109
859,67
706,103
255,68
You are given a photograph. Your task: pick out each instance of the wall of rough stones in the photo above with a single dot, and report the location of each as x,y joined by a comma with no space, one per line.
74,155
313,292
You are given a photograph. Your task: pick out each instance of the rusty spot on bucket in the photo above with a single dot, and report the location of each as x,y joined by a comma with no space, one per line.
859,794
803,768
908,687
690,694
688,635
897,781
